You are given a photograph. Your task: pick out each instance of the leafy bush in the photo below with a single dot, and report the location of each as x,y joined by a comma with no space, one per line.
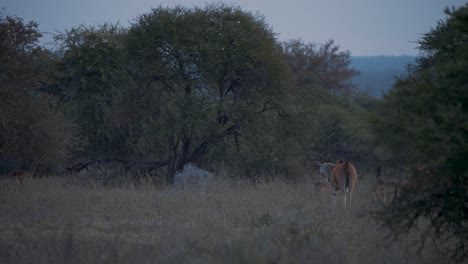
32,129
426,115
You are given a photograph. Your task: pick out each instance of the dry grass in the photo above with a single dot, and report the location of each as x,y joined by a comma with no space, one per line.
56,220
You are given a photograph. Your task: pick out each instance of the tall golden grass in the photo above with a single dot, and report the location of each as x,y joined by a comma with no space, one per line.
62,220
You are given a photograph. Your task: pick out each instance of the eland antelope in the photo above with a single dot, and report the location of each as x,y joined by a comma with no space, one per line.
322,190
342,176
387,190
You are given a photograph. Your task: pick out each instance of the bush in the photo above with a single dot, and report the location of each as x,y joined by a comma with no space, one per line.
32,129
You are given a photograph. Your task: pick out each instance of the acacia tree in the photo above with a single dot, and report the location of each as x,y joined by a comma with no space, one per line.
198,76
319,66
426,113
32,129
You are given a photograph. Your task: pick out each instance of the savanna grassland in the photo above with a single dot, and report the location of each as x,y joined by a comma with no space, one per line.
76,220
214,86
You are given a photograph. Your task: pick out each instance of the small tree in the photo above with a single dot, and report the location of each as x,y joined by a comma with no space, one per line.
426,113
91,72
323,66
32,130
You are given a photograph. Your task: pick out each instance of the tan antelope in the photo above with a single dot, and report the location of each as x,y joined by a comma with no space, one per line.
323,190
385,191
342,176
323,187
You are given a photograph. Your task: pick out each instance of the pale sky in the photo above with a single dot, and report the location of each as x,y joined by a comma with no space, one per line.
364,27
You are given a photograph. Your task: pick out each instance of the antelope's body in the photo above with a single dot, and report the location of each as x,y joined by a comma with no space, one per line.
342,176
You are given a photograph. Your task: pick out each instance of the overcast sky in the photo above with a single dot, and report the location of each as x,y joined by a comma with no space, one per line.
364,27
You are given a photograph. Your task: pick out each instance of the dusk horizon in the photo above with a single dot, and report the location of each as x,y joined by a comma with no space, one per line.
364,27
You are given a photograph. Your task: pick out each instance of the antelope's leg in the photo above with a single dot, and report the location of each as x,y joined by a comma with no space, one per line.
350,199
345,198
334,200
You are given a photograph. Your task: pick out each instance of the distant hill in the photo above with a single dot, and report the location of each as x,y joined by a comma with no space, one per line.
377,73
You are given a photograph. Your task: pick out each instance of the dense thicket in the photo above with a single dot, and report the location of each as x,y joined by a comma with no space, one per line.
32,129
208,74
91,71
209,85
424,121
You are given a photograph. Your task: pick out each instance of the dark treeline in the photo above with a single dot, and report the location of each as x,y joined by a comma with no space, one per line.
424,121
213,86
208,85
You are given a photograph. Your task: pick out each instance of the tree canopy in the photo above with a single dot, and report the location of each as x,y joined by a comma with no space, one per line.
32,129
426,114
208,85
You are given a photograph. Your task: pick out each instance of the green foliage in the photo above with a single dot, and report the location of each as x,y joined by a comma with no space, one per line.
208,85
426,115
32,130
320,66
335,127
267,149
92,70
198,76
317,118
328,122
